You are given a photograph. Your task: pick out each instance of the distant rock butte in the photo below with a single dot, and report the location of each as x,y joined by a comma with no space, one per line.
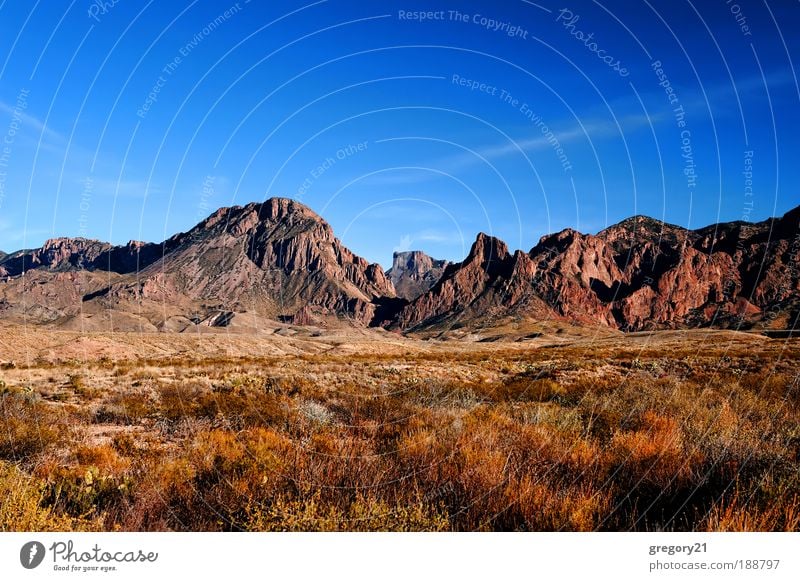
413,273
282,261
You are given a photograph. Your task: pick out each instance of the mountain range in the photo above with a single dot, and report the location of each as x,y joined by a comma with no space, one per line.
279,261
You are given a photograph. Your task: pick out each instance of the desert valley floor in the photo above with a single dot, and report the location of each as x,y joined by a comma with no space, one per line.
295,428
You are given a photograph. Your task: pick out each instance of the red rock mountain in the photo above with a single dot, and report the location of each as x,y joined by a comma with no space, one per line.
279,260
638,274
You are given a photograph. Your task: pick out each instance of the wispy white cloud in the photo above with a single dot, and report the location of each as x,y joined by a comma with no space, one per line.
546,138
121,188
405,243
12,235
538,138
51,139
418,240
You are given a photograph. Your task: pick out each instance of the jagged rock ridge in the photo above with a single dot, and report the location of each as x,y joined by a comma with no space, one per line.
638,274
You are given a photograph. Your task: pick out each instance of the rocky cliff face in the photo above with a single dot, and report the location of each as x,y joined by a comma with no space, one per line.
413,273
277,258
281,260
489,284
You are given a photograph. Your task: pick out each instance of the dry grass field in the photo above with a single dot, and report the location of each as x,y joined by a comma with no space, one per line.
296,430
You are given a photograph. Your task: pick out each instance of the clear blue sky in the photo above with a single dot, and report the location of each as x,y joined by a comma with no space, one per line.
134,120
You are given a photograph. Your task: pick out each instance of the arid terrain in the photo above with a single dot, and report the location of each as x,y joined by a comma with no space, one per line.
548,427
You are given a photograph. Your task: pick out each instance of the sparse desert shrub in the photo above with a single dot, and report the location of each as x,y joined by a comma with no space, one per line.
178,401
654,454
27,427
208,487
85,491
21,509
774,386
124,444
103,457
526,388
740,511
76,382
557,506
126,407
364,513
241,408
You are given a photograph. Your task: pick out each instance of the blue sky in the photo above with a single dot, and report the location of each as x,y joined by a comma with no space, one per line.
134,120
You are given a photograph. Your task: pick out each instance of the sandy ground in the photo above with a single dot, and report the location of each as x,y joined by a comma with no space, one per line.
31,345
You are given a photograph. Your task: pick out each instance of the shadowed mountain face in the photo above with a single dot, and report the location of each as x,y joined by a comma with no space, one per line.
413,273
279,260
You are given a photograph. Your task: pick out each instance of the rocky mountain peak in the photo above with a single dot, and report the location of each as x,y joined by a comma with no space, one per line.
641,230
283,212
487,250
278,256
